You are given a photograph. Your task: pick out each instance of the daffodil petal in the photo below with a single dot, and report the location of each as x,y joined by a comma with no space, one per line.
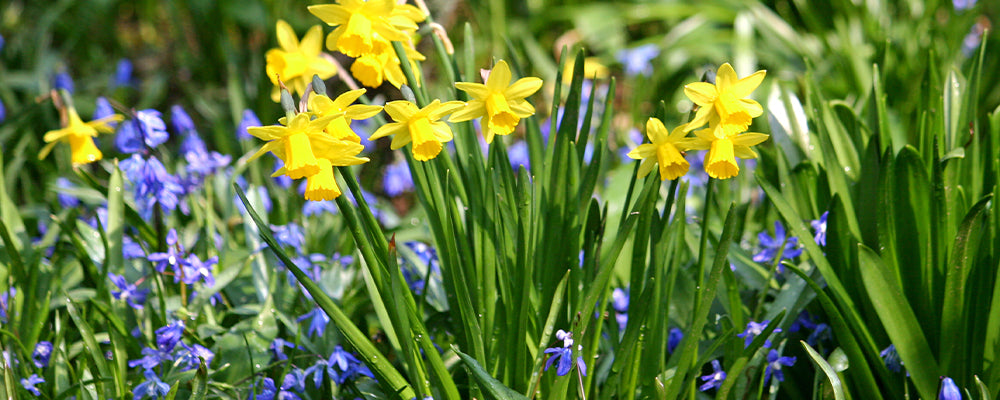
474,109
743,87
655,130
475,90
499,77
312,42
400,110
392,128
286,36
701,93
523,88
749,139
744,152
361,111
332,14
267,132
725,77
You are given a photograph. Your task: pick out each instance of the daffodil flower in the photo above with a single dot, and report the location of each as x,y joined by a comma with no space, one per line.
329,153
344,111
418,125
358,22
665,151
382,64
293,144
720,162
500,103
80,136
296,62
724,104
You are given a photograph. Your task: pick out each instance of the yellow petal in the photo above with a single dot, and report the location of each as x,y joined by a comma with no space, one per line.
401,110
646,166
499,77
312,42
348,98
332,14
701,93
522,108
473,109
425,144
322,185
368,70
445,108
523,88
655,131
752,107
286,36
743,87
720,162
392,128
476,91
300,161
361,111
744,152
267,132
672,163
725,77
83,149
749,139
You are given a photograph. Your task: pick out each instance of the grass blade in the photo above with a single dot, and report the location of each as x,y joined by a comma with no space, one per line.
838,388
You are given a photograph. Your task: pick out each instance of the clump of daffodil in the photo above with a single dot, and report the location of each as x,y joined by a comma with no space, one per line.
329,152
724,104
344,111
80,135
501,104
296,62
365,29
293,143
418,125
664,150
720,162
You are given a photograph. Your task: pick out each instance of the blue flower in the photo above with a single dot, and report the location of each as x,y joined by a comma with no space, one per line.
290,235
191,356
123,73
152,185
40,357
774,363
150,358
674,338
181,122
267,392
949,391
172,258
397,179
294,380
168,336
715,379
194,269
317,321
1,42
278,348
5,303
311,208
104,109
619,301
30,382
891,357
131,249
127,291
820,226
518,155
153,387
638,60
146,130
754,329
249,120
340,366
66,200
771,245
63,81
3,110
564,355
961,5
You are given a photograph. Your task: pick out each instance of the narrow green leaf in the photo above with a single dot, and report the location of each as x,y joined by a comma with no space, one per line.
91,345
900,322
200,382
838,388
493,388
113,260
547,329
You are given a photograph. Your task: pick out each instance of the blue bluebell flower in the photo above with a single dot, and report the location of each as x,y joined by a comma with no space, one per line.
341,366
619,301
200,162
3,112
30,382
168,336
5,298
318,320
891,358
249,120
518,155
172,258
294,380
152,185
949,391
190,356
134,296
820,226
290,235
131,249
638,60
63,81
267,391
153,387
123,73
753,330
674,338
962,5
150,358
278,346
181,122
715,379
397,179
66,200
774,363
973,39
771,245
104,109
1,42
564,356
311,208
43,352
145,130
193,269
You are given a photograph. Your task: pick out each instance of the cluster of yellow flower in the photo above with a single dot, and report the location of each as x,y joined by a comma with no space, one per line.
727,112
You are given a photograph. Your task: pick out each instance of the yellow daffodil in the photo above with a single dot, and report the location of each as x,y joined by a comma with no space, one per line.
418,125
720,162
293,144
80,136
500,103
382,64
358,22
665,151
329,152
725,104
296,62
344,111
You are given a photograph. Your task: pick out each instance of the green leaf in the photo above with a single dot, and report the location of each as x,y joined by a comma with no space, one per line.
900,322
492,387
838,388
113,260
